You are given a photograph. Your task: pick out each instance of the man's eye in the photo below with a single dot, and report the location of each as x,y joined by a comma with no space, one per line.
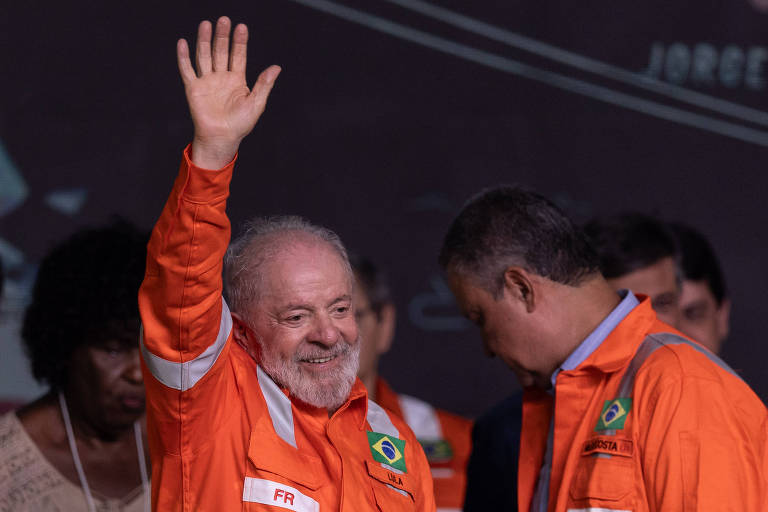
694,314
342,309
294,318
663,305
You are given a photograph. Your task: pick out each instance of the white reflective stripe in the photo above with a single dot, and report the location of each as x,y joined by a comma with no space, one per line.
379,420
279,407
442,472
399,491
267,492
597,509
444,509
390,468
421,417
183,376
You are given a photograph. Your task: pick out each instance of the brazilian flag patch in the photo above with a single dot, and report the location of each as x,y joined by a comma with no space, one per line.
437,451
389,450
614,414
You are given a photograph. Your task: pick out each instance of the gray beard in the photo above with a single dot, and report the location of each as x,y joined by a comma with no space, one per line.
329,390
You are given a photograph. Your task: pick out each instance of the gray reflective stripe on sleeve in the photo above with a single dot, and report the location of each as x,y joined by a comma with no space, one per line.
379,420
421,417
279,406
183,376
650,344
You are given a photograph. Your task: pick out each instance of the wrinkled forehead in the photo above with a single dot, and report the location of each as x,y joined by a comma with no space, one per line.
305,266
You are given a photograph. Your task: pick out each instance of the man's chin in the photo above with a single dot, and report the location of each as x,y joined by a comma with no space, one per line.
325,385
328,393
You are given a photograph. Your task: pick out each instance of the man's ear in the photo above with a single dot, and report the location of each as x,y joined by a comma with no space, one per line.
244,336
519,285
386,328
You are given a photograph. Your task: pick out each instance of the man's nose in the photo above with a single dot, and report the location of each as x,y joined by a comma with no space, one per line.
325,332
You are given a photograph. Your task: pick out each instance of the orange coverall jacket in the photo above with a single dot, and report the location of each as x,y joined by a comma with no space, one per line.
650,421
223,436
445,437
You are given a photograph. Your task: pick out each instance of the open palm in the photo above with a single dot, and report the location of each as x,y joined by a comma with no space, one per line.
223,108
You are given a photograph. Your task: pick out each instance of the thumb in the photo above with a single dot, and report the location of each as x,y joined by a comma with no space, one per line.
263,86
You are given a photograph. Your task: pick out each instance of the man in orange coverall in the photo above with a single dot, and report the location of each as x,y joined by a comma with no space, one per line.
445,437
620,412
258,408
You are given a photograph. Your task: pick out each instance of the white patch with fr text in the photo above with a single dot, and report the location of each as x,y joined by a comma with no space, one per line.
267,492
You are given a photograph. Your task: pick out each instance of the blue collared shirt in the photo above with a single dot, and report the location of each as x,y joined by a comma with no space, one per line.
578,356
596,337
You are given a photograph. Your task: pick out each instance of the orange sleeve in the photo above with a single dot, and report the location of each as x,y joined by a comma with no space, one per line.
180,298
185,322
702,441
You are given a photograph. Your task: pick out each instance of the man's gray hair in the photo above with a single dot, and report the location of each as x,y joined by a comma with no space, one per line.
261,240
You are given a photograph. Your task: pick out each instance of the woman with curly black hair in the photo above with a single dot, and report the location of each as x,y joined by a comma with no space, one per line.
81,445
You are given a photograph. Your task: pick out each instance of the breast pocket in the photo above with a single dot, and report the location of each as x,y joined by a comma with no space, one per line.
603,482
393,490
281,478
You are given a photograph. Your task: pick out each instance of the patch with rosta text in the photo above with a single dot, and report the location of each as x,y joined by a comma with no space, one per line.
608,445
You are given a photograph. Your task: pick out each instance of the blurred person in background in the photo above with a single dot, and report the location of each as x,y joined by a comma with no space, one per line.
444,436
639,253
705,307
80,447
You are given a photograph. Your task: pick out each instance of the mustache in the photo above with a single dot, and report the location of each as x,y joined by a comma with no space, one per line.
340,348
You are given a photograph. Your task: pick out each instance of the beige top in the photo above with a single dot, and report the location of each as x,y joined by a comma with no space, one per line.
29,483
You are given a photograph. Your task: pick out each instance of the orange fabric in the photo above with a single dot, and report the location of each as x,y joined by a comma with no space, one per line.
695,437
205,441
450,477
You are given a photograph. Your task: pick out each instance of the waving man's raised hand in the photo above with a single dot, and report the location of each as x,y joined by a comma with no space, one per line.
223,108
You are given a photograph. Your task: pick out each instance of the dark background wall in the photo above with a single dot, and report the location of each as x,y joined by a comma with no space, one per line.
385,120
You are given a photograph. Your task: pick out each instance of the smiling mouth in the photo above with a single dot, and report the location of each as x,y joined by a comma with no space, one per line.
319,360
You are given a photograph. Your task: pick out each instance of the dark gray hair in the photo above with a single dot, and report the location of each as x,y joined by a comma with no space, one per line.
373,281
509,225
261,240
629,241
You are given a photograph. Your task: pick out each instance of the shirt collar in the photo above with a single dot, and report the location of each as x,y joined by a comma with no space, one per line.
596,337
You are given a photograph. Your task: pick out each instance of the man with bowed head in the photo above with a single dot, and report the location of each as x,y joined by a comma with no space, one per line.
620,410
253,402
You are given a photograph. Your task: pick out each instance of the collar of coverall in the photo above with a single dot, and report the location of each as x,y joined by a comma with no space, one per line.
613,354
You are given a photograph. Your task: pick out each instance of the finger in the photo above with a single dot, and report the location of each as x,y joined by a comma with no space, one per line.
263,86
221,44
203,50
237,57
186,70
